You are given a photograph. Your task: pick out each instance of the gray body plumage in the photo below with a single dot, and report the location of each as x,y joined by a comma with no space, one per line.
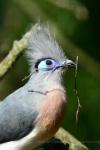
19,110
17,115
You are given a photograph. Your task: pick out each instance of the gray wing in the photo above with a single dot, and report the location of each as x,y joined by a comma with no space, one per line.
17,114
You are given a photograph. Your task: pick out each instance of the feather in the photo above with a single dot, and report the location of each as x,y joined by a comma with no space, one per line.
17,115
41,44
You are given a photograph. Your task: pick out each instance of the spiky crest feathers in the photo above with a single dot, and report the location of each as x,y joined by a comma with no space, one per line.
41,44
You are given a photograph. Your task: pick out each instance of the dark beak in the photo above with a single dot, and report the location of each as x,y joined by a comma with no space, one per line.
69,64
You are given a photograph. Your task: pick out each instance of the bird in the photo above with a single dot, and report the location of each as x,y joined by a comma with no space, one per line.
32,114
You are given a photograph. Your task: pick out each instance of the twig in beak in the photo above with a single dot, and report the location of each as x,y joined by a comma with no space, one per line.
76,92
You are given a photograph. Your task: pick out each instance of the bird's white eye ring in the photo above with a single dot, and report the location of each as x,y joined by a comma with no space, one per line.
46,64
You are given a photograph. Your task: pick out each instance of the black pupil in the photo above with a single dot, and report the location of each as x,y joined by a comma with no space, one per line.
48,62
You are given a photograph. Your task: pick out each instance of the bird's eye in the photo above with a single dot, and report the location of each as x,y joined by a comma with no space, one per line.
46,65
49,62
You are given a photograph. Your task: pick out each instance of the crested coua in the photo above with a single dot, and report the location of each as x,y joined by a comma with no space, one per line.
32,114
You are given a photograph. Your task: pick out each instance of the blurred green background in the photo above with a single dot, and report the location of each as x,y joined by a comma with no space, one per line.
76,24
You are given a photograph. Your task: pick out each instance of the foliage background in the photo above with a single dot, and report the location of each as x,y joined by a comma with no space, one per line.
76,25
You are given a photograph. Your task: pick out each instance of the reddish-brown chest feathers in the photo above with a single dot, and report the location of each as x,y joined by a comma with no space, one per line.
52,111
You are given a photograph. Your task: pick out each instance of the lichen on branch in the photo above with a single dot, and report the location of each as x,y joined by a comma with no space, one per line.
17,48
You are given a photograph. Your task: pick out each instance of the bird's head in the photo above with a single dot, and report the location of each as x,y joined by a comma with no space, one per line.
45,55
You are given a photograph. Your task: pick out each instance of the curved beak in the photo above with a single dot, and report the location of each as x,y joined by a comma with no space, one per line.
68,64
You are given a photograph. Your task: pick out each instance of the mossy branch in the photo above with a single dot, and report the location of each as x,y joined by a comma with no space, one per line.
66,137
79,10
18,47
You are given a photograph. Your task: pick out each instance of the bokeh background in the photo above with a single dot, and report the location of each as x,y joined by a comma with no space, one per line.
76,25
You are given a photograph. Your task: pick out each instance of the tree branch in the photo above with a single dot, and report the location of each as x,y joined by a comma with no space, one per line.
79,10
66,137
18,47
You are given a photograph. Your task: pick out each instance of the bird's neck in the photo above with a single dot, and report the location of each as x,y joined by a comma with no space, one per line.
48,121
43,83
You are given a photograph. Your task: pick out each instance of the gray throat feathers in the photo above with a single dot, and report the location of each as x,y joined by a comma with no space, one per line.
44,84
